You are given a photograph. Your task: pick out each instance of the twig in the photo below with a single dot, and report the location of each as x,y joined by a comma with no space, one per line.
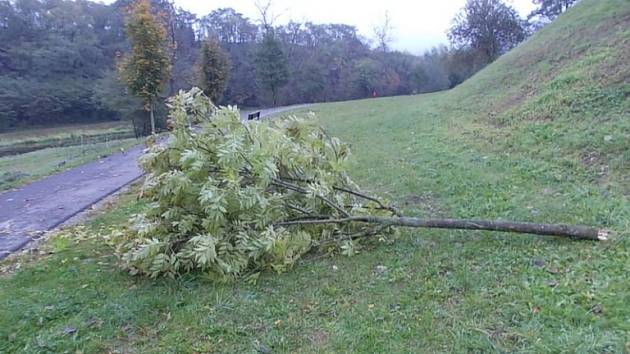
361,195
349,191
299,189
309,217
297,208
366,233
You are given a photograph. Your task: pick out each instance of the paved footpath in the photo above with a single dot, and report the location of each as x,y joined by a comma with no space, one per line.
26,213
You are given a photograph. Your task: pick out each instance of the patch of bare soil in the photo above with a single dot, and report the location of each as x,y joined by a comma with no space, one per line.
597,163
425,203
319,338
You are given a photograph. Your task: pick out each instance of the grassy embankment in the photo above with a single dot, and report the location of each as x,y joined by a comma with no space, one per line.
541,135
27,155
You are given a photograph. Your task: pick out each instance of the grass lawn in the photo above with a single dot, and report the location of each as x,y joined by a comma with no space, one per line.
32,139
63,131
502,145
17,170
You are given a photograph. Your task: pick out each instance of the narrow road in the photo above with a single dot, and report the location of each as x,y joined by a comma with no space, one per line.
26,213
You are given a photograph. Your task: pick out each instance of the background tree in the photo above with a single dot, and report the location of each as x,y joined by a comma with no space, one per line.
50,54
488,26
267,16
550,9
383,33
111,95
237,36
271,66
212,69
58,61
182,46
373,78
147,67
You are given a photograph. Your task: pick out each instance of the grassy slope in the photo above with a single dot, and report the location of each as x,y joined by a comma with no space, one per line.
517,141
565,90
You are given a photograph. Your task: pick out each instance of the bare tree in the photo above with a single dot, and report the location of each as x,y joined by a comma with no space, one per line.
384,33
267,16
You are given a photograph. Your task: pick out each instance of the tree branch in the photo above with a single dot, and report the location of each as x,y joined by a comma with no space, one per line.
349,191
361,195
299,189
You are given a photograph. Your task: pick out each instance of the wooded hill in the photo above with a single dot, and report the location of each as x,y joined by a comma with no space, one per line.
58,61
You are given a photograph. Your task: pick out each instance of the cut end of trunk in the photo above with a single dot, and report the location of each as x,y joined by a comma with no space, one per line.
602,235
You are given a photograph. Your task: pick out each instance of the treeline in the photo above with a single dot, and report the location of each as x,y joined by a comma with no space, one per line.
58,61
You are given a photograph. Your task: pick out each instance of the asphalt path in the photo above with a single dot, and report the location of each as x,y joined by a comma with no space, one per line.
28,212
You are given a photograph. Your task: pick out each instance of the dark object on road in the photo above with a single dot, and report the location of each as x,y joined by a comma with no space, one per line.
254,116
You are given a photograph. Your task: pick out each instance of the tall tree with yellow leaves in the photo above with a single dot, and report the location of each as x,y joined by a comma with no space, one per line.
147,67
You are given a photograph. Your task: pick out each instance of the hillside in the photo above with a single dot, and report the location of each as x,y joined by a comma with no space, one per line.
567,86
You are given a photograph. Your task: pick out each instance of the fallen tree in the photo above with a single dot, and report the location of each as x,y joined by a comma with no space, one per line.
231,198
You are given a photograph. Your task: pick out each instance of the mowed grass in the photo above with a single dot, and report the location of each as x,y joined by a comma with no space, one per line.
439,292
482,150
29,154
35,139
63,132
18,170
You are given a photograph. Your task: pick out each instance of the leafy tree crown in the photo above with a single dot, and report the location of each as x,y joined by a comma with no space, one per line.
212,69
147,67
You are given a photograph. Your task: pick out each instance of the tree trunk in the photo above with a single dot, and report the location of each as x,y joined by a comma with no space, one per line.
571,231
274,96
152,119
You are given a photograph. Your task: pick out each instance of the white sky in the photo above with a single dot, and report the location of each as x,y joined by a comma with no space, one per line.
417,24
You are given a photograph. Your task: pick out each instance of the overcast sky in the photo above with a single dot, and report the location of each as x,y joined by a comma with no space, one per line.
418,24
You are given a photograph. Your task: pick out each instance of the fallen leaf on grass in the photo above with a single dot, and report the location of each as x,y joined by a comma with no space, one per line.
94,322
553,270
69,330
380,269
597,309
261,348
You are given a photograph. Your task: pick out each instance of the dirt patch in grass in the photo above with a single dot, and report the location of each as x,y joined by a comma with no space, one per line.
319,338
426,203
592,158
596,162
